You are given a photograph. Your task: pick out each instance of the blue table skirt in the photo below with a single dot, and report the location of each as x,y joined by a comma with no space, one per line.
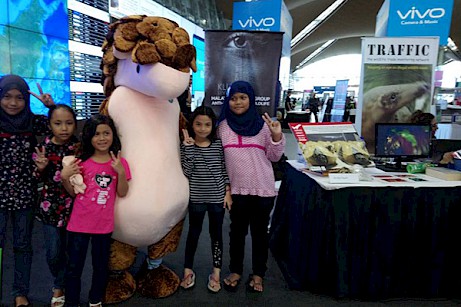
367,243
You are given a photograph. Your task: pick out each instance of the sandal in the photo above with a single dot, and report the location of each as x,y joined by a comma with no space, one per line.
252,284
213,288
58,301
231,284
96,305
188,285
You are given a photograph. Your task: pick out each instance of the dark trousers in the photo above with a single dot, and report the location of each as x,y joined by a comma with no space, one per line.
76,250
196,216
22,246
55,245
316,116
252,211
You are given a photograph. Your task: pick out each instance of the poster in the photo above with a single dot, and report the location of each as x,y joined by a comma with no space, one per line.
396,80
252,56
339,101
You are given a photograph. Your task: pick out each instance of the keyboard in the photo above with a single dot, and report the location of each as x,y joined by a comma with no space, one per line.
392,168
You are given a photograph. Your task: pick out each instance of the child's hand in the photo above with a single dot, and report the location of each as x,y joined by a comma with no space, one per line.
117,163
40,159
71,169
188,141
274,126
45,98
228,200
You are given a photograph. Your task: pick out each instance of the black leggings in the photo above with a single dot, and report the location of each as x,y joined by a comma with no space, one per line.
196,216
250,212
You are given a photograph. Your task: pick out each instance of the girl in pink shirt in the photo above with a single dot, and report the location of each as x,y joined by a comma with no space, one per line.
250,143
105,174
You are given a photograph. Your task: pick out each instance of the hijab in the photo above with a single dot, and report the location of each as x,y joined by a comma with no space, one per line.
23,121
248,123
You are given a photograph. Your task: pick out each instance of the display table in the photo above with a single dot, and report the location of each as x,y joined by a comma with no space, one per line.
448,131
298,117
368,242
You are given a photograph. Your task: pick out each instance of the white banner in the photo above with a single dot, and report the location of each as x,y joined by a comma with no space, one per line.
396,80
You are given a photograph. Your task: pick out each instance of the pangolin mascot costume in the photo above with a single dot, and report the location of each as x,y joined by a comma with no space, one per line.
146,65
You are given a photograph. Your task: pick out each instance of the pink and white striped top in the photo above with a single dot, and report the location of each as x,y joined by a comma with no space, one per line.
248,160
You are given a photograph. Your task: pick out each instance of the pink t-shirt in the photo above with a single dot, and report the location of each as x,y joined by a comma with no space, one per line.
93,211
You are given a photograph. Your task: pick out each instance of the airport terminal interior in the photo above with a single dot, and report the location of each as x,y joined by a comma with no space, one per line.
368,96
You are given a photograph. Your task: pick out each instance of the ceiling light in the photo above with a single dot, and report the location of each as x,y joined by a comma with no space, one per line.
316,22
314,54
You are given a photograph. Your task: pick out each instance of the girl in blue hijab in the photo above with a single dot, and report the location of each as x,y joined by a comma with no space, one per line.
250,122
251,142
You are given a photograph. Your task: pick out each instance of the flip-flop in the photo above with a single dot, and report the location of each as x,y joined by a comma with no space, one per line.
251,287
233,283
217,287
58,301
192,282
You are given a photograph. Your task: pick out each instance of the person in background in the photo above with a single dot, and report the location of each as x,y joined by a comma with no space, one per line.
251,143
288,104
313,106
203,164
18,186
424,118
55,203
106,175
185,100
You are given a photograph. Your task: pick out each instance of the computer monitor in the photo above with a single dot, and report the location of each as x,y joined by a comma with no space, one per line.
402,141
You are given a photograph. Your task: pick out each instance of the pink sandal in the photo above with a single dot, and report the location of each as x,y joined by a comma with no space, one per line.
189,285
216,287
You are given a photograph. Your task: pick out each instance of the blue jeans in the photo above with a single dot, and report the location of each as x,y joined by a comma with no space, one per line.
77,246
55,245
22,246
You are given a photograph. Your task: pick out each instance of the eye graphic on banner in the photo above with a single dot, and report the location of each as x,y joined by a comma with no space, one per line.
252,56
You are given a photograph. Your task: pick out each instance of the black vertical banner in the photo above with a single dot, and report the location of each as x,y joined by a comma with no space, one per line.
252,56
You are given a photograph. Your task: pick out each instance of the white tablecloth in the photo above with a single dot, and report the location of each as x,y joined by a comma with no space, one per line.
324,181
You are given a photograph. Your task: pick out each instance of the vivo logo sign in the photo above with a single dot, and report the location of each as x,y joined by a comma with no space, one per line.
414,13
263,22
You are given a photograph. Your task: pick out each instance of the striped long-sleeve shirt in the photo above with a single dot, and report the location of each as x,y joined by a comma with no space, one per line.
206,170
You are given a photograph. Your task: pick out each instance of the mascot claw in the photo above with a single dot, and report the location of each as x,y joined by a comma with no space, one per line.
120,287
159,282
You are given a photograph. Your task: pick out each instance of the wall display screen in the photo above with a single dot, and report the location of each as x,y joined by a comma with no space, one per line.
53,43
57,43
198,78
86,29
34,45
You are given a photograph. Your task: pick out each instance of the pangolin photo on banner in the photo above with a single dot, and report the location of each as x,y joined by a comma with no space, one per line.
252,56
396,80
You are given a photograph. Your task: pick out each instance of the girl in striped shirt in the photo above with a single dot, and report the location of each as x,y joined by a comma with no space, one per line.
203,164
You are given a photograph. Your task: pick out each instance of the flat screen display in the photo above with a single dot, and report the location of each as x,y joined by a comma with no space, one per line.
402,140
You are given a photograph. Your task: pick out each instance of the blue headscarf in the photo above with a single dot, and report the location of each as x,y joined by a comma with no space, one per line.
22,122
247,124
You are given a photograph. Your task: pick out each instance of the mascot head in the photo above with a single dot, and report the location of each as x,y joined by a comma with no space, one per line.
151,55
